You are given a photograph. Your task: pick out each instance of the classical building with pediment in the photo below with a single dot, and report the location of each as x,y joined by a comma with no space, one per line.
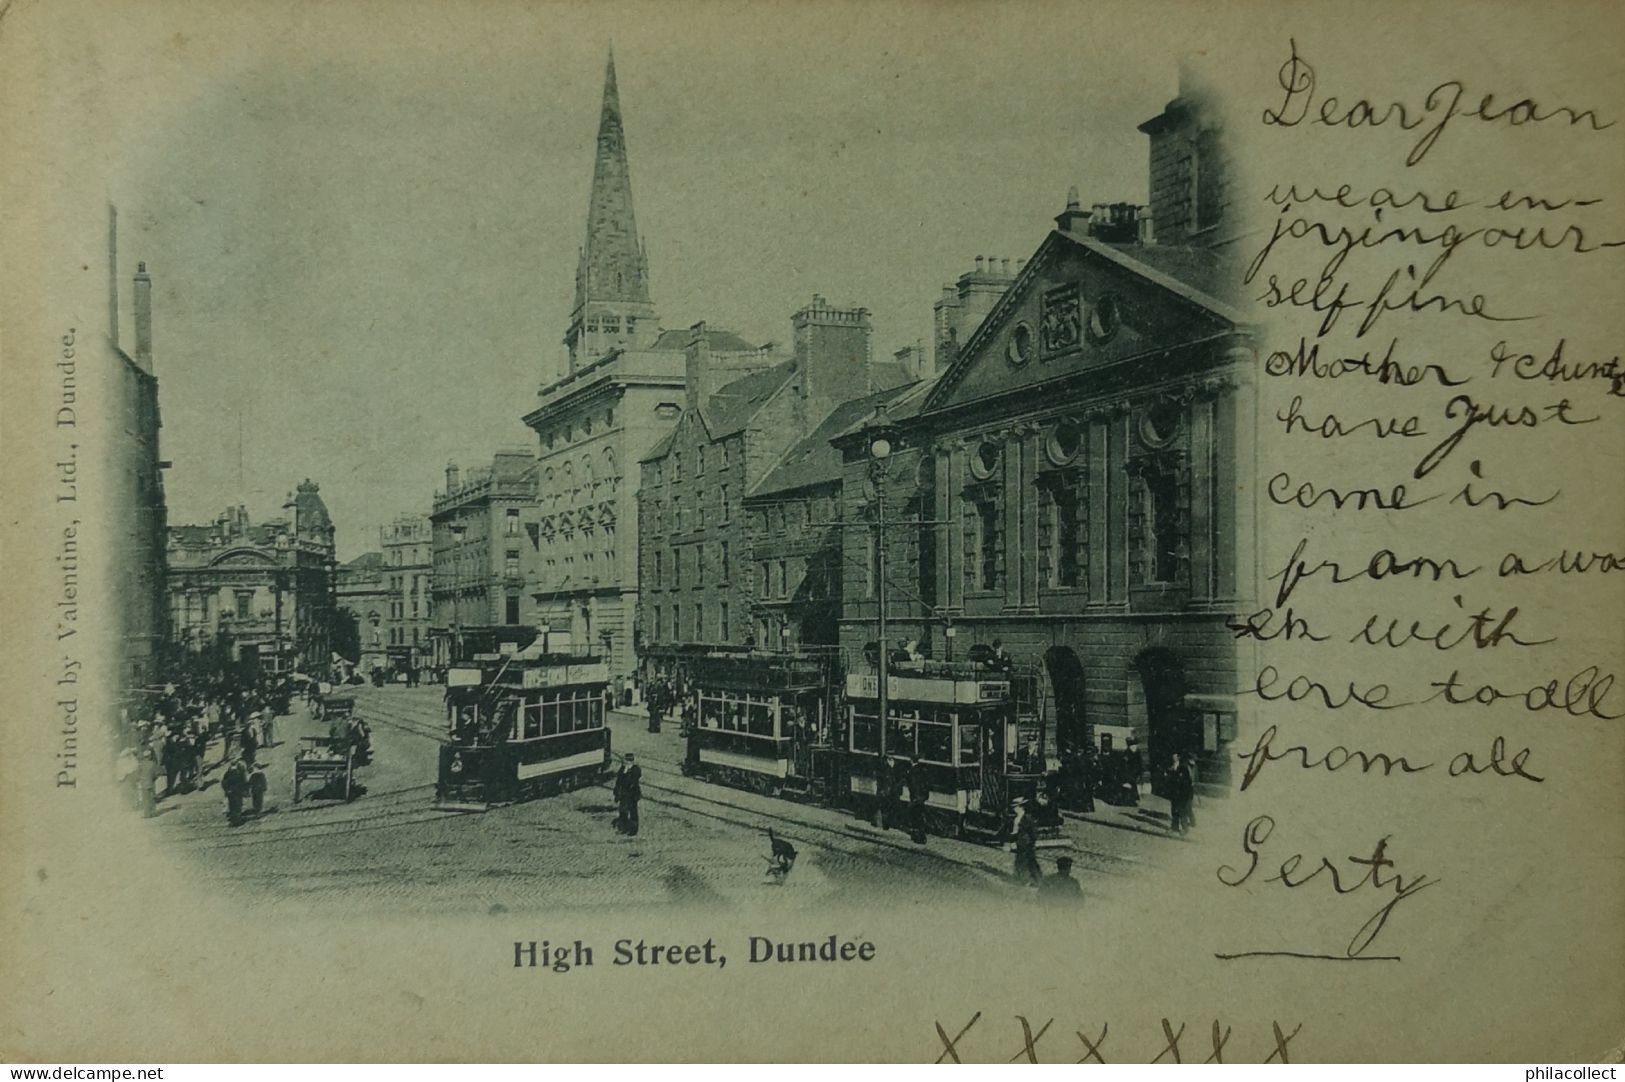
1076,483
255,596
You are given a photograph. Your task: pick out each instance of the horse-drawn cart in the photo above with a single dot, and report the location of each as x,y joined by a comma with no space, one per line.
329,760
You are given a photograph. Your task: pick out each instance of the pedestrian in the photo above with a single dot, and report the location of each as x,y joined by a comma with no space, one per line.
628,791
146,780
1181,791
233,783
1059,888
882,791
267,721
256,788
200,748
250,738
169,756
896,809
654,715
1027,870
919,791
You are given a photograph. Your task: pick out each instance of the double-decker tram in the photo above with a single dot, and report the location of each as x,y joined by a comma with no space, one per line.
522,727
973,732
763,721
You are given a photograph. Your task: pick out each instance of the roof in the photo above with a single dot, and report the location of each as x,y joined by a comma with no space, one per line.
718,341
733,405
1208,272
815,460
730,409
365,560
1199,275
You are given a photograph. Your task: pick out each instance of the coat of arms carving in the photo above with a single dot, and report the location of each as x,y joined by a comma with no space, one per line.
1061,324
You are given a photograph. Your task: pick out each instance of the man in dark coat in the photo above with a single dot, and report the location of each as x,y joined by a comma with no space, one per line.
251,738
233,783
628,791
919,791
1181,791
1027,871
882,791
256,788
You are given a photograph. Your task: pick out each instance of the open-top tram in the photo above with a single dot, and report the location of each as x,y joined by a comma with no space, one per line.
529,726
763,721
973,735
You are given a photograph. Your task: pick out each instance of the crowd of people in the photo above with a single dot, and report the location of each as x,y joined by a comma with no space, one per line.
185,736
168,737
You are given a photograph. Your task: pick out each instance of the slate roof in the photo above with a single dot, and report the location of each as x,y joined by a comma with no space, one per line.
815,460
734,404
1206,277
719,341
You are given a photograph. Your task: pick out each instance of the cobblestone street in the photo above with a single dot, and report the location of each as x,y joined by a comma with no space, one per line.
391,849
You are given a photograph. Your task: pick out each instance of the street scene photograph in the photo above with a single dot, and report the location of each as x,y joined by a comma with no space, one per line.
542,493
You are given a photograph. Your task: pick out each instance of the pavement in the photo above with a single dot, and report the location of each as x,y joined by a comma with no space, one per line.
390,849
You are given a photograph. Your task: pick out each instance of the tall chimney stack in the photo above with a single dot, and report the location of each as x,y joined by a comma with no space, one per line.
112,273
143,317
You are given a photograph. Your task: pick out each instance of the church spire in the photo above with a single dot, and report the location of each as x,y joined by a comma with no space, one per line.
612,261
612,304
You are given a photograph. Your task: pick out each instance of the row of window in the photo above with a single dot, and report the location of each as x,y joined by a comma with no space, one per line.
692,566
681,632
397,636
568,710
697,459
397,610
570,432
693,509
795,515
582,472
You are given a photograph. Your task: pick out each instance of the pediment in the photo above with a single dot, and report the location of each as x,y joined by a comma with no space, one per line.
243,558
1081,305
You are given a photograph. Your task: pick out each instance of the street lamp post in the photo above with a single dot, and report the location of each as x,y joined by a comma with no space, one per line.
879,445
457,530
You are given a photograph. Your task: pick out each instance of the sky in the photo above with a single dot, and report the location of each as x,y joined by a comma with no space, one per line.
362,222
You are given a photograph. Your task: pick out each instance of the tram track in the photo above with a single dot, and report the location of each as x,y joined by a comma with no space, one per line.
741,816
400,809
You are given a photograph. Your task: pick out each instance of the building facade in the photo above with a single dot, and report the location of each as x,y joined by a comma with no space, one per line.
363,598
795,520
1071,485
138,507
620,395
480,529
744,413
407,550
252,596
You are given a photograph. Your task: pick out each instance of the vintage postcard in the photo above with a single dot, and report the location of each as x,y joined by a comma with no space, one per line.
928,532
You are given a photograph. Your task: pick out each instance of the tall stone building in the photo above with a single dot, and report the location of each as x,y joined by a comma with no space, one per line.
407,546
1074,477
363,595
743,414
256,596
795,518
135,481
480,529
620,395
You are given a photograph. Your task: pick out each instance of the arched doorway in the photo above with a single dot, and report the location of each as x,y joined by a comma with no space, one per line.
1074,735
1162,675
